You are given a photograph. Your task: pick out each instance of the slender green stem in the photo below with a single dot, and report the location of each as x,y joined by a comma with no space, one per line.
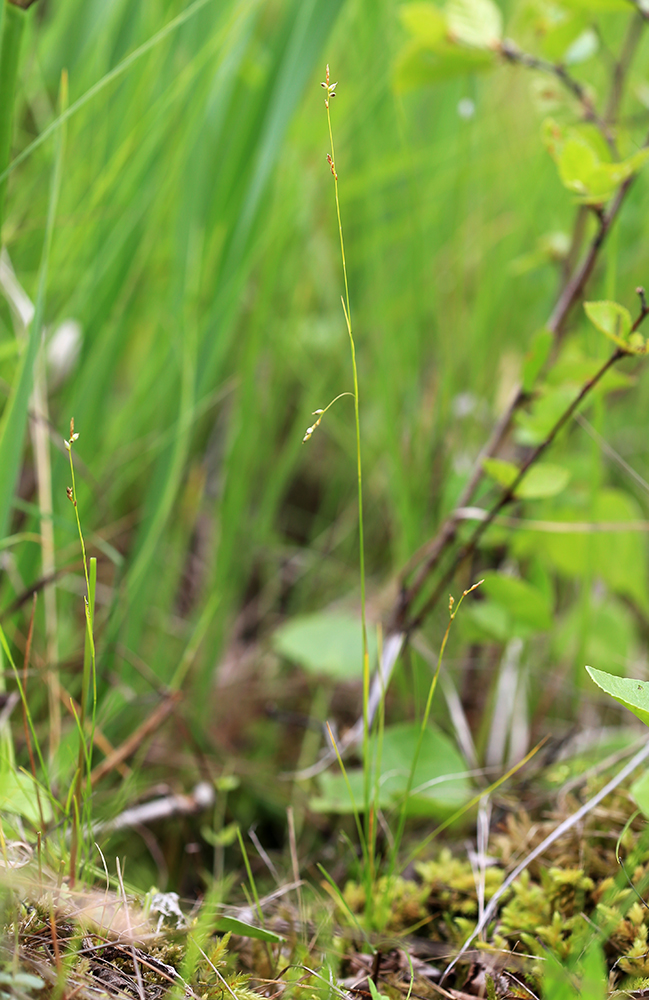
348,320
422,729
89,674
11,32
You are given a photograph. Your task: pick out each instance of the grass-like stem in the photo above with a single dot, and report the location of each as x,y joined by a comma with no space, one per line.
424,723
89,677
330,89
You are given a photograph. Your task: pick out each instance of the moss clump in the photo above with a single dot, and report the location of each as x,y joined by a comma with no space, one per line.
398,903
451,883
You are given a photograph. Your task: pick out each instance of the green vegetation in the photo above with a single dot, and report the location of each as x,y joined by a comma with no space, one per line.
201,690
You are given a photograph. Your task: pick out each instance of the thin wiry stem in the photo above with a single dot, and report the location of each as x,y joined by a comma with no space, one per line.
348,319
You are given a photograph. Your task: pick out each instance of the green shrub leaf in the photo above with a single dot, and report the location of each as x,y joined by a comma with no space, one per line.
614,321
584,163
18,796
536,357
475,22
420,65
438,789
424,21
328,643
633,694
543,479
523,602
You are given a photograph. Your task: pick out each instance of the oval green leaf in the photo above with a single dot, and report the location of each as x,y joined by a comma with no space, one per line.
424,21
329,643
524,603
543,479
612,319
478,23
420,64
633,694
439,786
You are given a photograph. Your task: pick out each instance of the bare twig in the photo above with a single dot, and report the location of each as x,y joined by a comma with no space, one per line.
133,742
413,622
642,11
426,560
510,51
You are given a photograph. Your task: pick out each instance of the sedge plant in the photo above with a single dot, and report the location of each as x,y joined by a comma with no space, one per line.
330,93
368,829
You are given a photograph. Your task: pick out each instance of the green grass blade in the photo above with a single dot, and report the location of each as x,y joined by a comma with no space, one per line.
14,417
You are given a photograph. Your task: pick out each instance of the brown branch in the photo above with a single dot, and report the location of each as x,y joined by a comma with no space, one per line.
510,51
429,555
133,742
509,494
408,597
629,46
640,9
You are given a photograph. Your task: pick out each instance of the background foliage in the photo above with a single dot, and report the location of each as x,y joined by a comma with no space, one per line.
195,246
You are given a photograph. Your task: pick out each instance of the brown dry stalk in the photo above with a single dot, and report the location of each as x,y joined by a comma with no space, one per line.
100,739
133,742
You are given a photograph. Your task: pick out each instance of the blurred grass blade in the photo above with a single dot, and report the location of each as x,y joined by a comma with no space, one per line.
14,417
12,22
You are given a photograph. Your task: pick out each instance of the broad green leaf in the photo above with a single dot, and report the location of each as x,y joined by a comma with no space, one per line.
583,48
536,357
243,929
612,319
543,479
18,796
438,789
487,619
584,163
503,472
577,162
475,22
574,368
419,65
633,694
524,604
558,38
618,558
328,643
602,632
21,981
582,974
424,21
533,426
